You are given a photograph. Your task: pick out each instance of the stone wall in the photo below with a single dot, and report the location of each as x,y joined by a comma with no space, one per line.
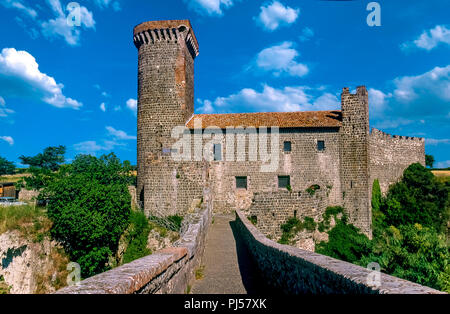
272,209
170,270
390,155
305,165
27,195
291,270
354,158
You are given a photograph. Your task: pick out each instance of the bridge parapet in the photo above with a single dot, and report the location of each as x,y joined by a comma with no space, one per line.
170,270
291,270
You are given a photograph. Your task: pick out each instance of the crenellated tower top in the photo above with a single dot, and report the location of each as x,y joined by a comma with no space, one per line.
168,30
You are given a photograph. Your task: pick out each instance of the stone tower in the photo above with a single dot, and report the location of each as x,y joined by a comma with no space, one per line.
354,158
167,50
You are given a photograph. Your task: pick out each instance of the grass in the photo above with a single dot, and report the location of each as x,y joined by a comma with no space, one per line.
442,175
4,288
13,177
199,272
32,222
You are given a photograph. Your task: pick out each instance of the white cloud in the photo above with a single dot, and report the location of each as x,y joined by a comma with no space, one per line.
281,59
17,4
103,107
92,147
20,77
103,4
206,106
106,145
307,34
118,134
443,164
378,102
58,27
418,98
291,98
327,101
4,112
7,139
275,15
209,7
434,141
429,39
132,105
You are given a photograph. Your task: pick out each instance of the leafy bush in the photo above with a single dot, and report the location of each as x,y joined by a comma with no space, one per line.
345,242
293,226
413,252
89,205
417,198
137,237
332,211
408,237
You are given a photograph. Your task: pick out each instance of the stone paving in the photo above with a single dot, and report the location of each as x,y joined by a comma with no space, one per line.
228,268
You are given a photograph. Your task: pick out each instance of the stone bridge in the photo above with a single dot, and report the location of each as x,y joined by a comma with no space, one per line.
237,259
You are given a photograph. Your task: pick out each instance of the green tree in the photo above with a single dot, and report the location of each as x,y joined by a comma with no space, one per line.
42,167
50,159
429,161
90,206
6,167
417,198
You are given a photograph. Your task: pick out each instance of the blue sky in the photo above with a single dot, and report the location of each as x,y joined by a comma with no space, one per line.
77,85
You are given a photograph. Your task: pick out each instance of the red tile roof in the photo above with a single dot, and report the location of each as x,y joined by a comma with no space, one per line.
300,119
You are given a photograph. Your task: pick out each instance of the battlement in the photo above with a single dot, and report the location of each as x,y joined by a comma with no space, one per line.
166,31
375,133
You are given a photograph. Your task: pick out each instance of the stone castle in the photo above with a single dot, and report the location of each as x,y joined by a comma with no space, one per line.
323,158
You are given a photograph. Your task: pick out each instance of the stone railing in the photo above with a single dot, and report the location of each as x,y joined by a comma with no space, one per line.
295,271
170,270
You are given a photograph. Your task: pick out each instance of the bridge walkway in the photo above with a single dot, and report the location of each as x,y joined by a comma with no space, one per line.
228,267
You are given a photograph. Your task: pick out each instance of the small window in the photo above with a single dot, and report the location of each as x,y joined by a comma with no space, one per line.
320,146
287,146
284,181
241,182
217,152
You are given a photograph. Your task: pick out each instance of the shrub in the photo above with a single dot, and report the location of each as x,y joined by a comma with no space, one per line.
332,211
89,205
312,189
417,198
346,243
293,225
137,237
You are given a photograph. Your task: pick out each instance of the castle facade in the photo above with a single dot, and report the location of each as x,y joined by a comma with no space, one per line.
271,165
